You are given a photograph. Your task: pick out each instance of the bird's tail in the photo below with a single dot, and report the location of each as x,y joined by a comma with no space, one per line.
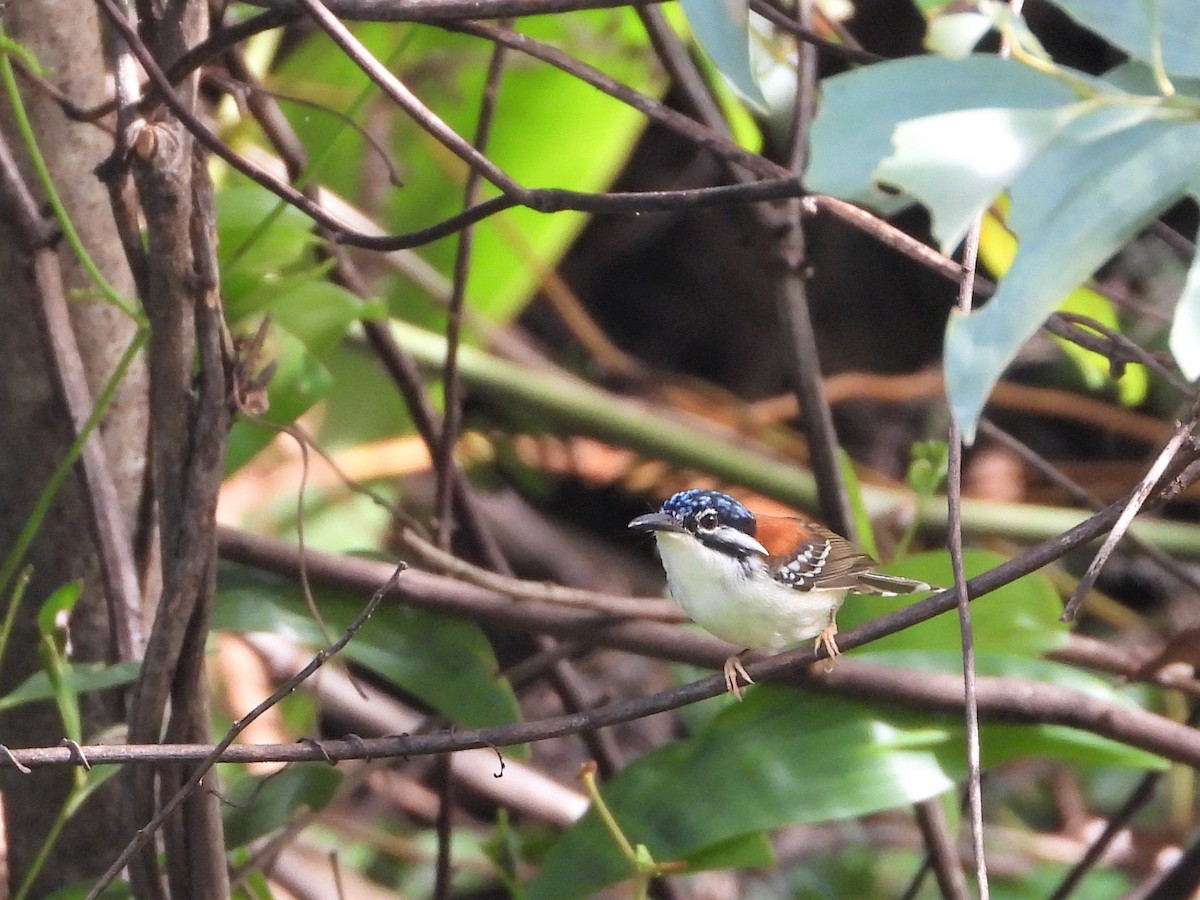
890,585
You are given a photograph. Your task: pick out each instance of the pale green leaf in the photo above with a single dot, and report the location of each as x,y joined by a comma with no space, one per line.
1075,206
85,677
957,163
446,662
1136,26
721,27
860,110
955,35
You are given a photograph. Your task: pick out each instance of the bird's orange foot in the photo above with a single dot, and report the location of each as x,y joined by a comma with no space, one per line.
827,640
733,670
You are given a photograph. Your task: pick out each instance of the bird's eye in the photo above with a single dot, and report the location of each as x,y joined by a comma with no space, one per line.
707,520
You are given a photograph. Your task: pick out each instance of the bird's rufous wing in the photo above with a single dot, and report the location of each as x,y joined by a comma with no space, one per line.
804,553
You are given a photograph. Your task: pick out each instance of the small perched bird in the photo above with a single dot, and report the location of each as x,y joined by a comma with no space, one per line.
760,582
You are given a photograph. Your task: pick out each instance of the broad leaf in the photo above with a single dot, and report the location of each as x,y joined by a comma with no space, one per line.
84,677
551,130
1078,203
259,805
446,662
779,758
997,250
1002,742
786,757
860,111
957,163
722,28
1020,618
1136,26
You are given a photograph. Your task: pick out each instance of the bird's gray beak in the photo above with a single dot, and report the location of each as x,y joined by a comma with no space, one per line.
656,522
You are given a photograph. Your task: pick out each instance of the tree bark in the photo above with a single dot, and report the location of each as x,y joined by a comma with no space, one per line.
38,431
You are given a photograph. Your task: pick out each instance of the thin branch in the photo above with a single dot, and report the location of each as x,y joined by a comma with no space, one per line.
444,462
404,98
440,11
776,186
1086,332
444,781
703,136
1146,487
796,317
1142,794
1008,700
803,32
217,752
1084,497
456,598
452,417
955,544
942,853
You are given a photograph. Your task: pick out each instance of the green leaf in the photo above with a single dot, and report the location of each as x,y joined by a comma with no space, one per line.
785,757
356,410
1075,206
997,250
955,35
504,851
745,851
550,130
1138,78
1001,743
957,163
723,30
860,110
53,653
86,677
1096,369
260,805
318,313
61,602
445,662
779,758
1135,26
1018,619
258,236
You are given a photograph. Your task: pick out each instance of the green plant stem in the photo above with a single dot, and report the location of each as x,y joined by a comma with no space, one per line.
86,784
47,845
14,603
567,403
107,290
644,868
588,777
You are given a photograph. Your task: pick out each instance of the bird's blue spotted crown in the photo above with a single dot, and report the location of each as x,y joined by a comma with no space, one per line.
688,503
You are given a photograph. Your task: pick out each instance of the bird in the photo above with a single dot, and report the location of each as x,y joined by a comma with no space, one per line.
760,582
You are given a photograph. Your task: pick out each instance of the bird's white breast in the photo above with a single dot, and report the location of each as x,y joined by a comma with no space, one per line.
737,600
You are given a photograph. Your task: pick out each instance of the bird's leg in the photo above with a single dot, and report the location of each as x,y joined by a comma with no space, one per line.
733,670
827,640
